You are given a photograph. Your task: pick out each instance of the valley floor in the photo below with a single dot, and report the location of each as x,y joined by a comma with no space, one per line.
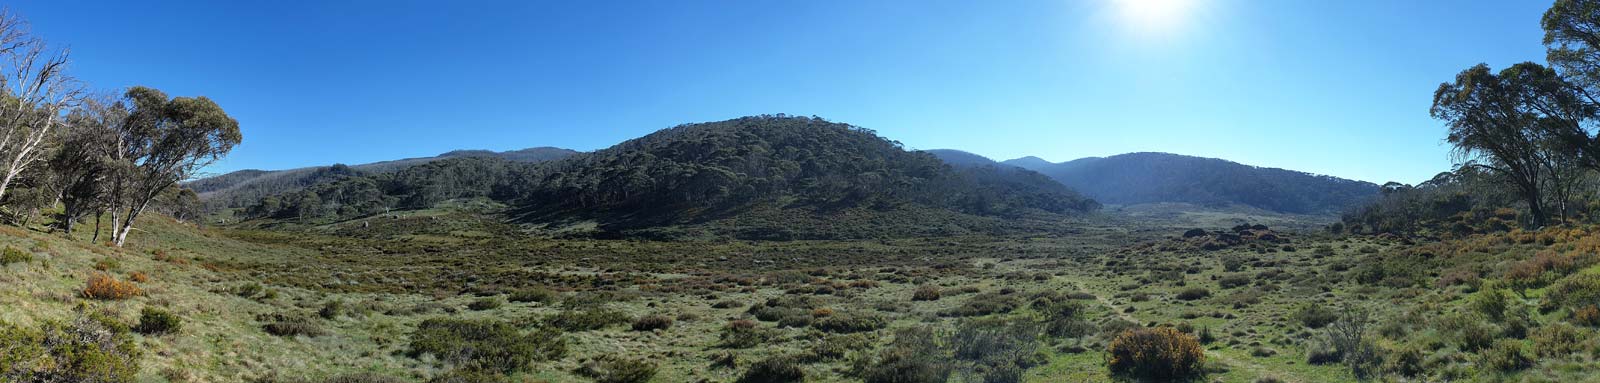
347,300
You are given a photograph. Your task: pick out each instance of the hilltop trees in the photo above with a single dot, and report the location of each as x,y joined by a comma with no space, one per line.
36,91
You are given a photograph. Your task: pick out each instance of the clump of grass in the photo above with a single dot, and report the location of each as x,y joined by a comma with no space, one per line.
652,323
107,264
12,255
485,345
154,321
1315,315
103,287
92,347
293,328
614,369
845,323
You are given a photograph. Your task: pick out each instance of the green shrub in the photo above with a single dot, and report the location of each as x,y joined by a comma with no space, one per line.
292,328
915,356
926,293
1314,315
469,376
1404,361
1155,353
837,347
1492,303
486,303
1233,281
652,323
331,309
1505,355
778,369
1573,291
986,304
534,294
845,323
743,333
613,369
485,345
91,348
12,255
1193,293
592,318
1558,340
157,321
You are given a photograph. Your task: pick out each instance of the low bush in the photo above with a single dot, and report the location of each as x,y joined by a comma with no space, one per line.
986,304
926,293
614,369
103,287
652,323
91,348
845,323
486,303
915,356
1505,355
1155,353
1233,281
534,294
1314,315
743,333
837,347
292,328
154,321
1193,293
485,345
778,369
139,276
592,318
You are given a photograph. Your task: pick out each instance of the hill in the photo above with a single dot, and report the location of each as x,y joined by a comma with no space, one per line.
246,187
778,177
1136,178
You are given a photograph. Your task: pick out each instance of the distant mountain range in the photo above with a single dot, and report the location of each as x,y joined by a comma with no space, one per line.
1136,178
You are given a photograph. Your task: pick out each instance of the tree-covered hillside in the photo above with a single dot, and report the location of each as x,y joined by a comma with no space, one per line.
697,173
244,188
1161,177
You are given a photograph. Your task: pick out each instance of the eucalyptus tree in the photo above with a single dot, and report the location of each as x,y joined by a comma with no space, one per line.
162,141
35,92
1509,123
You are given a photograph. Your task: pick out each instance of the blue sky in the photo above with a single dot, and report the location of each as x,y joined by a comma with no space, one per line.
1331,87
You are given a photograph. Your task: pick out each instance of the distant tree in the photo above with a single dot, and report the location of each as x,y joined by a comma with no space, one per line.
34,93
162,141
1506,123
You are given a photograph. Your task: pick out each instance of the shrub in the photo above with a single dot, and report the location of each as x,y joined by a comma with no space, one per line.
1505,355
104,287
331,309
485,344
1404,361
292,328
107,264
778,369
914,357
1557,340
90,348
486,303
1492,303
652,323
139,276
469,376
249,290
836,347
743,333
1315,315
534,294
12,255
1155,353
157,321
1587,316
1233,281
995,342
1193,293
925,293
614,369
1065,319
845,323
1575,290
593,318
986,304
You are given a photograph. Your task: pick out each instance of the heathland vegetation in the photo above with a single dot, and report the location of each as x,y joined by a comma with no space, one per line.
789,249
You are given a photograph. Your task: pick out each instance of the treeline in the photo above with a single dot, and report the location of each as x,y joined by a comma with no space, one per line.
698,171
68,153
1136,178
1523,132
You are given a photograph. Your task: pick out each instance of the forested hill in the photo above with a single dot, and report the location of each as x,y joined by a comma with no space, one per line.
246,187
697,173
1162,177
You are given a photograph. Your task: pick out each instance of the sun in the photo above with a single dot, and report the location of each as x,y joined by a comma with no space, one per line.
1154,17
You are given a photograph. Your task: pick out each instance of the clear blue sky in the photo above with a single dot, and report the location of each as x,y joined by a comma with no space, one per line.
1332,87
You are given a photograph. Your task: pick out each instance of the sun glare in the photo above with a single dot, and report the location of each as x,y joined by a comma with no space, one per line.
1154,17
